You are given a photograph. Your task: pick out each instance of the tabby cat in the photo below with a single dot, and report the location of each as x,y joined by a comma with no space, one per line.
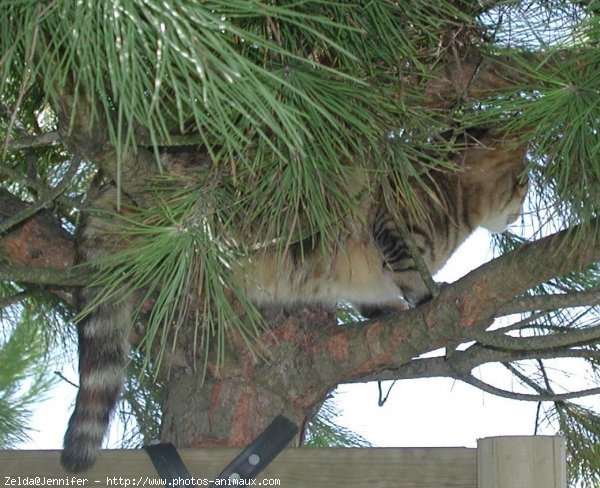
372,269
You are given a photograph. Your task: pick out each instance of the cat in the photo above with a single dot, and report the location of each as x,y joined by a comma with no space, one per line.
371,268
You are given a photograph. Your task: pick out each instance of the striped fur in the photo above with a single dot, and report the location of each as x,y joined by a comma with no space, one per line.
488,193
103,352
371,268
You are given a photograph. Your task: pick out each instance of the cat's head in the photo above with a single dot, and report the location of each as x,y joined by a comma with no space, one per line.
495,179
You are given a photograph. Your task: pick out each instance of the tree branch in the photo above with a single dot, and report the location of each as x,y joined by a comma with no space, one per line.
38,186
567,338
461,363
541,397
41,202
39,242
588,298
45,276
362,351
31,142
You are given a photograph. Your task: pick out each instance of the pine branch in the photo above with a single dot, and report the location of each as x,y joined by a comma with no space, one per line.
589,298
45,276
528,381
523,323
26,73
541,397
16,298
567,338
409,240
462,363
31,142
471,79
461,308
42,201
38,186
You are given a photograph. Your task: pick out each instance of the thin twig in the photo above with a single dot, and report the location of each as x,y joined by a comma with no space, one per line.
461,363
526,379
16,298
30,142
568,338
63,377
521,323
382,399
554,397
589,298
38,186
42,202
45,276
538,412
545,376
411,245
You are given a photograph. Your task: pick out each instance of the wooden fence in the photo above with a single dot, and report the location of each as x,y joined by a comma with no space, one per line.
498,462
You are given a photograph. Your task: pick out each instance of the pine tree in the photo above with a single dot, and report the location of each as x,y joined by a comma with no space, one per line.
241,124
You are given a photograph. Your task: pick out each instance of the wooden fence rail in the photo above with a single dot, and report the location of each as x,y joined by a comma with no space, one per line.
498,462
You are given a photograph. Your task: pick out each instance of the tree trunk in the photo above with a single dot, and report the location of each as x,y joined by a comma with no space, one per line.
234,403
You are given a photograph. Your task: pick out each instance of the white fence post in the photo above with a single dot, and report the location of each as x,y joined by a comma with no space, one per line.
521,462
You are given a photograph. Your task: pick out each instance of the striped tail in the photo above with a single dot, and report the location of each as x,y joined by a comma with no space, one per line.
103,353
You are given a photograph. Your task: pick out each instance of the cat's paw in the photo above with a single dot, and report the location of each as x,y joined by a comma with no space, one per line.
382,309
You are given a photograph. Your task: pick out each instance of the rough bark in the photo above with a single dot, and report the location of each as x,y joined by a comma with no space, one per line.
38,242
236,402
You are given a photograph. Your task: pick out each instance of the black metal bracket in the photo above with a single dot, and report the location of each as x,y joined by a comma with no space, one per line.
167,462
246,466
262,451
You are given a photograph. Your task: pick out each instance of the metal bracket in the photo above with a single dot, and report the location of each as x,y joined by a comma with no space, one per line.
167,462
246,466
